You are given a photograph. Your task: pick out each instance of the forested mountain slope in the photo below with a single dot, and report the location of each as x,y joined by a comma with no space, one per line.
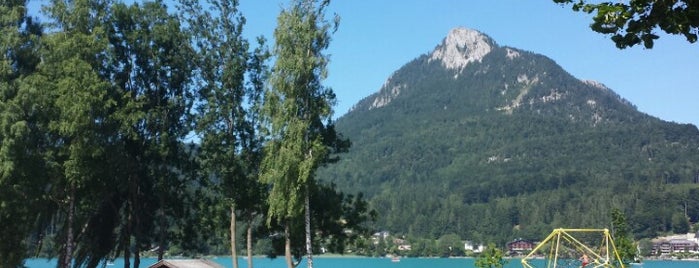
494,143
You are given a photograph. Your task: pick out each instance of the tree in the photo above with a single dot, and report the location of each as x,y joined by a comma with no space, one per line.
634,22
25,162
91,65
228,111
450,245
692,205
337,220
253,201
93,124
298,109
150,69
622,237
492,257
680,223
69,71
645,247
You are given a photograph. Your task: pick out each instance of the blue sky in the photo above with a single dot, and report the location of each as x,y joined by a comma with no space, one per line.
376,37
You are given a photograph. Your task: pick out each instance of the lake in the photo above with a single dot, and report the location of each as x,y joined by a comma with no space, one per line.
360,262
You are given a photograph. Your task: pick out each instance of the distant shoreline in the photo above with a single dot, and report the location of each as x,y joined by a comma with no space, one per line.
672,259
353,256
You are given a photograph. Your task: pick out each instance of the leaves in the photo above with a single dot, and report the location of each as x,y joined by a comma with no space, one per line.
296,107
635,22
623,239
492,257
106,109
95,113
25,162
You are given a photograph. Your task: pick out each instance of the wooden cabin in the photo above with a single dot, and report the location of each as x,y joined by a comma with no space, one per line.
520,246
186,263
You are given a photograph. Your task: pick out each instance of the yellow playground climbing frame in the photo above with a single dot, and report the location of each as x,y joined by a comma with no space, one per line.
568,248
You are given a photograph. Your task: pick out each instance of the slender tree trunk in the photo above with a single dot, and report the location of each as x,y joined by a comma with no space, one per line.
136,256
163,231
249,240
127,253
234,254
136,227
307,223
68,257
161,246
287,246
127,236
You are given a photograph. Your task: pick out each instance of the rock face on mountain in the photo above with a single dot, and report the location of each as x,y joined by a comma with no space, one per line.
461,47
493,143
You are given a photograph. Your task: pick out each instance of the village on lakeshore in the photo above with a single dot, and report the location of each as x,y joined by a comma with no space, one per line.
671,247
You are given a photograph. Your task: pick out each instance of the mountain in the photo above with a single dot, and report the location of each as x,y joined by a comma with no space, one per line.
492,143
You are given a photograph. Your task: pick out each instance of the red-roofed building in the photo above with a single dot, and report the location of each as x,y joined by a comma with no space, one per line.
520,246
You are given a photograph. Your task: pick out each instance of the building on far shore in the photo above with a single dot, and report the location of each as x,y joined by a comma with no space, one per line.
470,246
520,246
675,244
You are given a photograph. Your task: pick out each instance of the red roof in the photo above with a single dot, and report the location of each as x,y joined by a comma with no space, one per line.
184,263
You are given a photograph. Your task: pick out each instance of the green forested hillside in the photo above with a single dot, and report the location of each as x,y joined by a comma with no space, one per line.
510,146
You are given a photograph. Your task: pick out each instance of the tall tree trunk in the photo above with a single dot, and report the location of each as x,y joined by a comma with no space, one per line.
307,223
249,240
163,229
127,253
161,247
136,227
234,254
68,257
287,246
127,235
136,256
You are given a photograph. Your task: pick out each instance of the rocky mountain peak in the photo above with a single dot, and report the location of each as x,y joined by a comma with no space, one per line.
461,47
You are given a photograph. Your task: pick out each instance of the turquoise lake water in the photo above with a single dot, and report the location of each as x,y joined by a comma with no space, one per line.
350,262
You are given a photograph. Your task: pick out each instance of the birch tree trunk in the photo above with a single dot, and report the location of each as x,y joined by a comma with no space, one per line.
287,246
307,223
249,241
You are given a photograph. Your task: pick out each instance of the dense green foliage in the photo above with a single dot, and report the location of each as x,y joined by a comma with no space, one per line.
116,85
230,140
297,112
492,257
333,214
621,234
22,125
452,153
634,22
95,111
